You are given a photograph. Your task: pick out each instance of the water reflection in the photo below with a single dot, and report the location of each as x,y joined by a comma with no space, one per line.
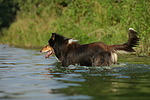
25,74
115,83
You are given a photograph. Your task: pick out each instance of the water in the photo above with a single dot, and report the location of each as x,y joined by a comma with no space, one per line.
25,74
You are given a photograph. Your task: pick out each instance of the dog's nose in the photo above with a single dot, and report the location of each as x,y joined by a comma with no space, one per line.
41,51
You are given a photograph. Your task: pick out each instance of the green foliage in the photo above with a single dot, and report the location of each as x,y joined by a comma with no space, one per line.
8,10
88,21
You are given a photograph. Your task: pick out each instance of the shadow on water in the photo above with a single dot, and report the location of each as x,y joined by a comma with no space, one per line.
25,74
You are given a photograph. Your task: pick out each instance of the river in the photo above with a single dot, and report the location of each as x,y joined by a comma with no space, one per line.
26,75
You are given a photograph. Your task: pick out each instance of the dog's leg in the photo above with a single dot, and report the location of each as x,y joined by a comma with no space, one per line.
102,59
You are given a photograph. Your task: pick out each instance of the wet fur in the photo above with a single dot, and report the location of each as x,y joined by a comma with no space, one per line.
70,52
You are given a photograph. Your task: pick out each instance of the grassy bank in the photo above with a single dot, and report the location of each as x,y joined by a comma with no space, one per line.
88,21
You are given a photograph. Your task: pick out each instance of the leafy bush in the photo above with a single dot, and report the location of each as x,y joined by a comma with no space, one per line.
88,21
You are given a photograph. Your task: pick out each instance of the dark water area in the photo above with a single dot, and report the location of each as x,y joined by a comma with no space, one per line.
26,75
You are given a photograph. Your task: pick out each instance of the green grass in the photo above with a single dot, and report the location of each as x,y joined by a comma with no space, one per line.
88,21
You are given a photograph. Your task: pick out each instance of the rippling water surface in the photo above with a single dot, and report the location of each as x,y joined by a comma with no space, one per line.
25,74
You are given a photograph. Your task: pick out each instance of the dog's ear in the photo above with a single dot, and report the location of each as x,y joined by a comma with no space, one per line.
53,36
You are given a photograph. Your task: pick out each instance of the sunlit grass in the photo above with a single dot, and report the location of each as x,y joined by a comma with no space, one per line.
98,20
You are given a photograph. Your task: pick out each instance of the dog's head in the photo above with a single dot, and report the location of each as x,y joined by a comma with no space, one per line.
47,49
57,43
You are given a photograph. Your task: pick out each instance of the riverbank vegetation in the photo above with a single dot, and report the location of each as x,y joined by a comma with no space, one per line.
88,21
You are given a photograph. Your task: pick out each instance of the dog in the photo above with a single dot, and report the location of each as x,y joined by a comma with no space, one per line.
70,52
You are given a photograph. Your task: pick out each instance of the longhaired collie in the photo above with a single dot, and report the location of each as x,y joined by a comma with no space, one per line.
70,52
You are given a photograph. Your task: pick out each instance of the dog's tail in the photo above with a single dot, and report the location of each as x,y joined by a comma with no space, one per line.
128,46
